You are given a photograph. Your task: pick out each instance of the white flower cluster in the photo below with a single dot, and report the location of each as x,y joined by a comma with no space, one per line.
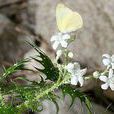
108,61
60,39
60,44
109,81
76,73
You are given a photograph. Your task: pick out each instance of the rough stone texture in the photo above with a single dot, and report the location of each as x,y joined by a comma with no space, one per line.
12,43
4,55
6,2
15,10
77,108
4,22
97,35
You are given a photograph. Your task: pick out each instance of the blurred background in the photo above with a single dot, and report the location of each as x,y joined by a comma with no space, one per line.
34,20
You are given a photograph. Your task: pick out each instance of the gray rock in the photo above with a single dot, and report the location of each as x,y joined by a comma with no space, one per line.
4,22
16,10
12,43
6,2
77,107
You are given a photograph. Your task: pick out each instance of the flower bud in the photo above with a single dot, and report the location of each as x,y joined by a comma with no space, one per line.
70,54
96,74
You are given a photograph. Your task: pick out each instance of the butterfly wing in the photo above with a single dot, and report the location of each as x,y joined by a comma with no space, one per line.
62,14
67,20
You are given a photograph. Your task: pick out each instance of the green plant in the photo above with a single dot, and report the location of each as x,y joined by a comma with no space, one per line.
30,96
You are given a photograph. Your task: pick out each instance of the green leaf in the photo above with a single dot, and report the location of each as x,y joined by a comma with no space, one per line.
14,68
74,93
7,110
49,70
88,105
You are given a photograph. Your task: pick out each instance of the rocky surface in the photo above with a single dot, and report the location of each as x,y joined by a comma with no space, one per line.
6,2
12,43
77,108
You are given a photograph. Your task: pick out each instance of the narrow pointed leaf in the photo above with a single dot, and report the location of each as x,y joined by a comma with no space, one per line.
49,70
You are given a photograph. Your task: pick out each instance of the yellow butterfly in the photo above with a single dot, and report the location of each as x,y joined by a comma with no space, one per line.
67,20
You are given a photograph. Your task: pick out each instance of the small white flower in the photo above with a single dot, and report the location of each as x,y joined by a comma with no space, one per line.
76,73
59,53
60,40
70,54
109,81
108,60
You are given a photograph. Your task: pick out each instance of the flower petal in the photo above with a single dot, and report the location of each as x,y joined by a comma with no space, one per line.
106,61
103,78
55,45
112,57
106,55
53,38
112,65
83,71
110,73
59,53
74,80
112,86
104,86
70,67
66,36
81,80
64,43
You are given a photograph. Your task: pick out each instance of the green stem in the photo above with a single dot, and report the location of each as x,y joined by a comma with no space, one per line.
44,92
66,56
